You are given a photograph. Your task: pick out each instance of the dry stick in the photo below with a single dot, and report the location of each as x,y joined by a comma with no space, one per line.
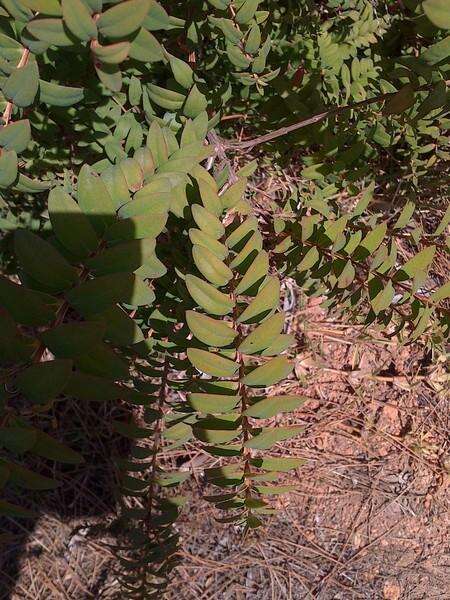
262,139
9,106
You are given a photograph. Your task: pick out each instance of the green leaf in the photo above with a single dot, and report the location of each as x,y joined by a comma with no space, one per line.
59,95
274,463
146,48
417,265
400,102
98,294
113,53
142,226
15,136
42,262
47,7
94,199
267,299
8,168
51,31
212,364
269,373
17,439
233,196
28,479
255,273
438,11
262,337
182,72
213,269
22,85
73,339
110,75
11,510
206,296
371,242
71,226
121,20
26,306
201,238
44,381
120,329
441,293
265,408
195,103
266,490
382,299
101,360
271,435
47,447
213,403
124,257
207,222
210,331
78,19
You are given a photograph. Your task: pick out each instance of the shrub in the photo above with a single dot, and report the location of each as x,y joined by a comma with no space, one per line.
134,269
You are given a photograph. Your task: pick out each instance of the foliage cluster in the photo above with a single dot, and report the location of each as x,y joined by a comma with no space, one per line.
136,271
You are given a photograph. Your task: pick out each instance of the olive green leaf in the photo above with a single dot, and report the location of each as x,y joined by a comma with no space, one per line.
59,95
213,269
123,257
43,262
73,339
78,19
51,31
255,273
269,373
264,408
210,331
182,72
134,228
207,222
201,238
195,103
96,295
208,297
262,337
212,364
26,306
416,265
267,299
112,53
438,11
71,226
16,136
94,199
213,403
146,48
121,20
42,382
271,435
8,168
22,85
275,463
